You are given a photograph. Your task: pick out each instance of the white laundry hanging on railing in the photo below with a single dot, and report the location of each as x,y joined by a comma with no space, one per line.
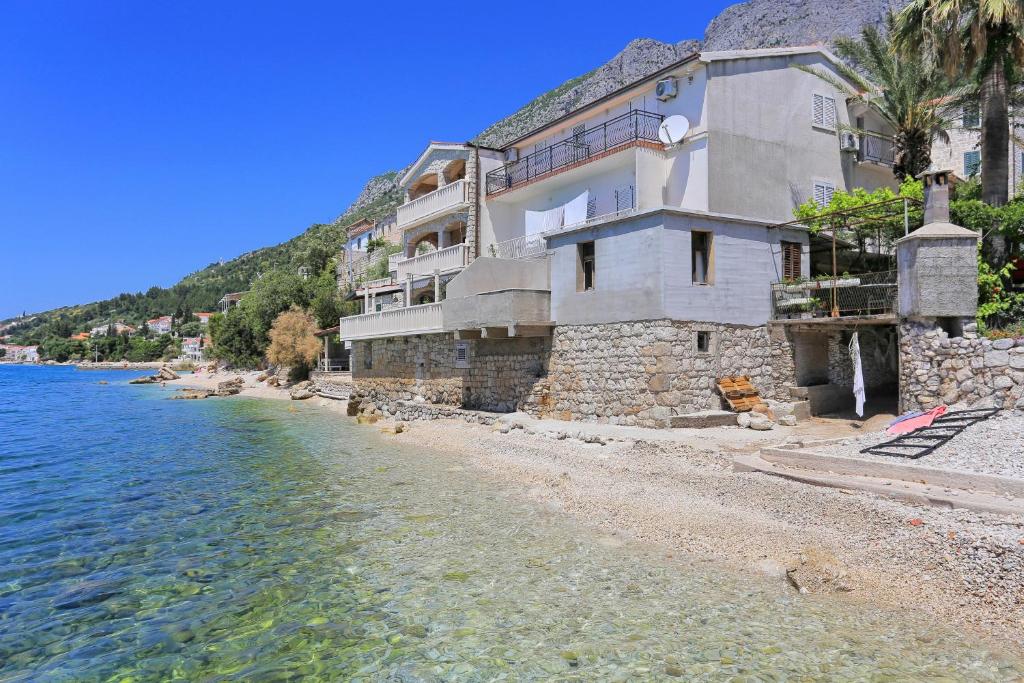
572,212
576,210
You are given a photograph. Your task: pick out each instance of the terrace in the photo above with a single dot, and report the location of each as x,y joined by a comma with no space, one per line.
637,126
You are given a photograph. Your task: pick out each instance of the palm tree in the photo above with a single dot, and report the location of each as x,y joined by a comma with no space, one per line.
984,39
908,92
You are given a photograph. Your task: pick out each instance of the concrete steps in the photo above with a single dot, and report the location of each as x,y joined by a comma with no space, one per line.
930,488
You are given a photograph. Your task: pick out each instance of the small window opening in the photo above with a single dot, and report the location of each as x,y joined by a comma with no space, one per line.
461,354
953,327
368,356
585,266
700,256
703,341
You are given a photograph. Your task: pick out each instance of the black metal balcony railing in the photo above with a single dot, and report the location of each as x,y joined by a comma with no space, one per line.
629,127
877,148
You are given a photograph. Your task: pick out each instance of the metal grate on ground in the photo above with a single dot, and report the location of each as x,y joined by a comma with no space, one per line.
921,442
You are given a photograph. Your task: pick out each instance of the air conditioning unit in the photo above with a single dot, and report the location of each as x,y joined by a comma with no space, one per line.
511,154
666,89
848,142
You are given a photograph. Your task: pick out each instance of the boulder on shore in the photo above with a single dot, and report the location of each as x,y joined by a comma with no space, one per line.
229,387
167,374
148,379
302,391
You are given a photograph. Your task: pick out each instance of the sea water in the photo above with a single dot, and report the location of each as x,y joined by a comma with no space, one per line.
146,539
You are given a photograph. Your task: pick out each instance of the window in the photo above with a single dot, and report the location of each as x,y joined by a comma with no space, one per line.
791,252
700,256
823,111
585,266
703,341
972,163
823,191
972,116
461,354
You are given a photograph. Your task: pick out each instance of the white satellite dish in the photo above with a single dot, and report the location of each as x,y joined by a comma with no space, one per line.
673,129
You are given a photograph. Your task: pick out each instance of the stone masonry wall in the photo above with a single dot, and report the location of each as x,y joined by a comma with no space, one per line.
879,354
500,376
642,373
937,368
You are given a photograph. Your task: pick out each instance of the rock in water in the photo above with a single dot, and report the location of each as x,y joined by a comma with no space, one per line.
149,379
229,387
188,394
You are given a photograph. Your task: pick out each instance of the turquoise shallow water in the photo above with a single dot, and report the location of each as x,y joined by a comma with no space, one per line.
146,539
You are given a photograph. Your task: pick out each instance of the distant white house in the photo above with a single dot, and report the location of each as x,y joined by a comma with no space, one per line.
192,348
23,354
104,330
204,317
161,325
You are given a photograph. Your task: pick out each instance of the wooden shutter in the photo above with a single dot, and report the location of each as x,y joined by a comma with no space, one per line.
791,253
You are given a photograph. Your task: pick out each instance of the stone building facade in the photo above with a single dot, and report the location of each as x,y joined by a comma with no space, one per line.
635,373
498,375
938,368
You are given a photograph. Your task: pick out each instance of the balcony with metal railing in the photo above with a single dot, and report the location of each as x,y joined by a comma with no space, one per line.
451,197
877,149
588,145
866,295
397,322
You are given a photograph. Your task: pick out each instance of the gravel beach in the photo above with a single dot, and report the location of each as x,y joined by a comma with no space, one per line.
992,446
966,568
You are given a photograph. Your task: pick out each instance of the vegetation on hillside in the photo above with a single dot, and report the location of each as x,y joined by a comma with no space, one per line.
314,250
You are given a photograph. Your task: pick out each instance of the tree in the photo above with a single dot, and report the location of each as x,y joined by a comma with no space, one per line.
907,90
983,39
293,342
274,293
235,341
3,352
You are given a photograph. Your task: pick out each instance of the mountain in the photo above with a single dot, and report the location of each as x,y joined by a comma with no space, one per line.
753,24
783,23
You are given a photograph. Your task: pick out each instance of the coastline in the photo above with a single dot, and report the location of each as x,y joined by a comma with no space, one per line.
678,492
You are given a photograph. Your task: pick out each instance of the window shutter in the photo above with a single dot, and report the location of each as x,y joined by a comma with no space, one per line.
791,253
823,111
972,163
823,193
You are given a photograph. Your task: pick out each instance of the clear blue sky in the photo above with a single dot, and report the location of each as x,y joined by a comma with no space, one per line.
140,141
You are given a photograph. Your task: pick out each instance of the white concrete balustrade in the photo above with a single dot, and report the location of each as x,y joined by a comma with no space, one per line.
444,260
396,322
434,203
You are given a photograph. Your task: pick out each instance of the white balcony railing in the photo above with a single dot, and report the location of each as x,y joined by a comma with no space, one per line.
433,203
447,259
397,322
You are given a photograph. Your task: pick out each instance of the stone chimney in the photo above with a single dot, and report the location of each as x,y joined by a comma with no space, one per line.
937,263
937,185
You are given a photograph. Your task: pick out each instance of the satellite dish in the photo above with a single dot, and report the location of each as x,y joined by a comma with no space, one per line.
673,129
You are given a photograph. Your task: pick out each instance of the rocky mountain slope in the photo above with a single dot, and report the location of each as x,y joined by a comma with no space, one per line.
753,24
781,23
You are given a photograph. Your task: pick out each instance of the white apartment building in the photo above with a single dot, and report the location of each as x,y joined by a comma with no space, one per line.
594,228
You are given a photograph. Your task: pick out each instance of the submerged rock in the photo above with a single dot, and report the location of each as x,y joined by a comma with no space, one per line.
191,394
